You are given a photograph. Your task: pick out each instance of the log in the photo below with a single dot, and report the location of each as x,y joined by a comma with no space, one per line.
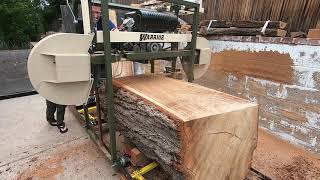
242,31
298,34
244,24
193,132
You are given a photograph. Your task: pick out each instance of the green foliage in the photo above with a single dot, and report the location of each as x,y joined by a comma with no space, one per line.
20,22
51,13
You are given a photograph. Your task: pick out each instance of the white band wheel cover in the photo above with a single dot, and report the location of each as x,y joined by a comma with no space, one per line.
59,68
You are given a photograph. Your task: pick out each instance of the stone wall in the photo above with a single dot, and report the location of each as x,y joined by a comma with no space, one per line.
14,75
281,74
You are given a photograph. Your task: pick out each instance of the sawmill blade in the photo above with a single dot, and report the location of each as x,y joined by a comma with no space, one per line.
203,58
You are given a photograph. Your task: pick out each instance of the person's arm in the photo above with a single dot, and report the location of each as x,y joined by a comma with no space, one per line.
99,25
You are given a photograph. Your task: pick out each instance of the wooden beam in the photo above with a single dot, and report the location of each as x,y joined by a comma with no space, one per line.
244,24
137,158
193,132
68,25
314,33
318,24
299,34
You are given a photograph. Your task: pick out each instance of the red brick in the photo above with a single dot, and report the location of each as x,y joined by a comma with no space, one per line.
313,42
300,41
316,79
275,40
264,39
262,87
287,40
236,38
245,38
303,95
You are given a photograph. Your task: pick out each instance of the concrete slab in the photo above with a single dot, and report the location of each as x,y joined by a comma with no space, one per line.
31,148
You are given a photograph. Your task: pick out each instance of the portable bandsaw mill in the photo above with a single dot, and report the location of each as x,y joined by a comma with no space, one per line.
64,67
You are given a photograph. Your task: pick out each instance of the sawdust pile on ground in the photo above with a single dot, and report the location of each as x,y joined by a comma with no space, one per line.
299,169
49,168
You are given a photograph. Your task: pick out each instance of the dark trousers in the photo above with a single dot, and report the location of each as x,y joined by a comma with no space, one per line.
52,108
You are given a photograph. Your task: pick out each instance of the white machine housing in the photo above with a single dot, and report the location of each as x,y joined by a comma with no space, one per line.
59,65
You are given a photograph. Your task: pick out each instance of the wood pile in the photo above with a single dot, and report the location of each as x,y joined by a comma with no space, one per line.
193,132
152,4
243,28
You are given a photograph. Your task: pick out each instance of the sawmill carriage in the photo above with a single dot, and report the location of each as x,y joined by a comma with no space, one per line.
76,69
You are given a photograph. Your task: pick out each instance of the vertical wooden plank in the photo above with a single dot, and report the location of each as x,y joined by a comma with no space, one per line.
67,20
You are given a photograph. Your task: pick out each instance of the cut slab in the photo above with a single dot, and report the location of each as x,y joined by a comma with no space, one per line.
192,131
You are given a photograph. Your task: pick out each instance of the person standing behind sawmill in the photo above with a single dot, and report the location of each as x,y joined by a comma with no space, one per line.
60,109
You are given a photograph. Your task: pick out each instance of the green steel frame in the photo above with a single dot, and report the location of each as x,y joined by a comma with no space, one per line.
107,58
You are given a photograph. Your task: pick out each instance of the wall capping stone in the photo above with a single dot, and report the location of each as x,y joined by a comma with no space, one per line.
273,40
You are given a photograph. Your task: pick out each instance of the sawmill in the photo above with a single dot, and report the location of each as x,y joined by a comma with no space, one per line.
67,68
162,90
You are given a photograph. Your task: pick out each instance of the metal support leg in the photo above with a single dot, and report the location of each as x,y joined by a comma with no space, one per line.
193,43
99,115
109,87
98,110
86,116
174,46
152,66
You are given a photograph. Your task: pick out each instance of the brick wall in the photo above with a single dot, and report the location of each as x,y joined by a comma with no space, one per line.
283,77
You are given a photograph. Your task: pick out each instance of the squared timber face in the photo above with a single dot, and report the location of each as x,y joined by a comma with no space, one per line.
223,140
186,101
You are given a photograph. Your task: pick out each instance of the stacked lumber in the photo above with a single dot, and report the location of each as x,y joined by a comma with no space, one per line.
243,28
193,132
314,33
152,4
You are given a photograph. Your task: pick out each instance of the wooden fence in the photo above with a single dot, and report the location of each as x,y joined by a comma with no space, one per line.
300,15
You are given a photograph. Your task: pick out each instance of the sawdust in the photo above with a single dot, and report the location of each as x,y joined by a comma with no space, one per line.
279,159
49,168
300,169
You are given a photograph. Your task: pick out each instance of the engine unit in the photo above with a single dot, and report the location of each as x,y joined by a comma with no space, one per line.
153,21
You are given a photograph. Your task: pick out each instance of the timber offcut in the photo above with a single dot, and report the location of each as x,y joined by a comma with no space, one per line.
193,132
